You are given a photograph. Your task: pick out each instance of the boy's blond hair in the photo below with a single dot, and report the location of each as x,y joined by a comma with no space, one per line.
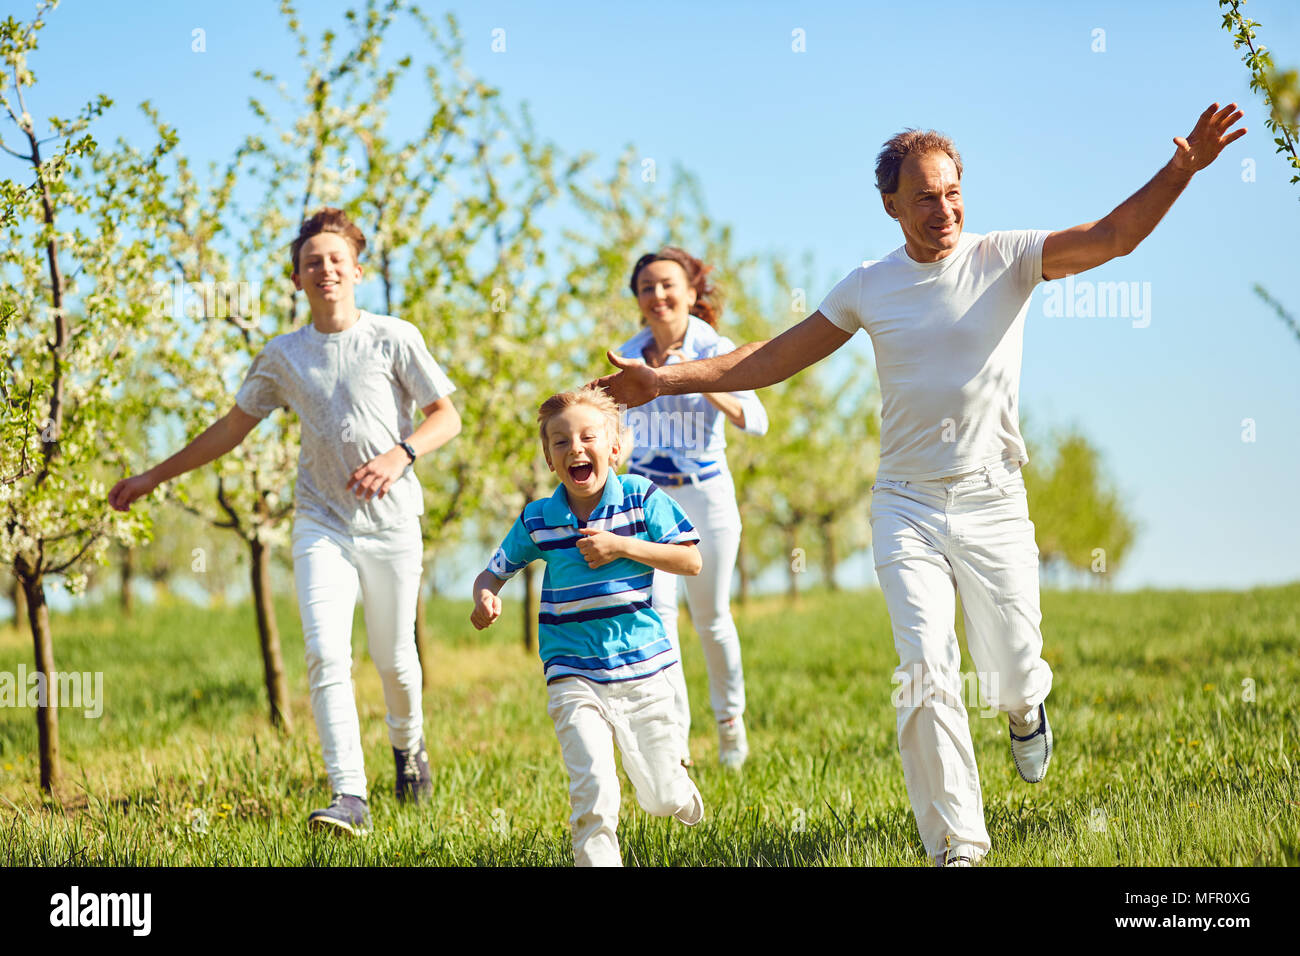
592,396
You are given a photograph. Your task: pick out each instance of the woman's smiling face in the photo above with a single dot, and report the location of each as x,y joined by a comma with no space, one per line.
663,292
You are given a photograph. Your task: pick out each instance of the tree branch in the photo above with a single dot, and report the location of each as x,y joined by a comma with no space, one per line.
75,558
229,509
1282,313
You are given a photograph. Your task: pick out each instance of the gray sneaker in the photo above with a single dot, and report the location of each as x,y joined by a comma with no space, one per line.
345,814
414,778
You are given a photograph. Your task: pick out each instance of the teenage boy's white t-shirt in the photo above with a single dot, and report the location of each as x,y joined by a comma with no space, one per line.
948,338
355,393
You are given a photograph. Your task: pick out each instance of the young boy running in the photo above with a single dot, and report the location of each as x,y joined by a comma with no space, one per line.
604,649
352,378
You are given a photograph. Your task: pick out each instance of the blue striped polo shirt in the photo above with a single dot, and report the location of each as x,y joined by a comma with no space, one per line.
596,623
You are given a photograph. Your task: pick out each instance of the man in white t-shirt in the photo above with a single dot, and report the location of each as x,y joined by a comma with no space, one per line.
945,313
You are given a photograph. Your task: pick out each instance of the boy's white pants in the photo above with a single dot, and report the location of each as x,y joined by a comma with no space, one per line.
711,506
328,567
589,718
932,540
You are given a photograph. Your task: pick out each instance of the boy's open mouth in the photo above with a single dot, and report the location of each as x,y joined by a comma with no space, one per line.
580,472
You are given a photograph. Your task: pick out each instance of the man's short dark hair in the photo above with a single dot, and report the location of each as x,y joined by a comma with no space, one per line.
899,147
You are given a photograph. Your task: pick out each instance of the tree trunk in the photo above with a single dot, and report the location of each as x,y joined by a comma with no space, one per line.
19,598
792,589
277,691
532,604
162,591
421,638
386,274
829,558
47,717
128,566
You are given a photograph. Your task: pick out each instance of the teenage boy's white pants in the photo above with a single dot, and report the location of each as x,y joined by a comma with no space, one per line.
328,567
969,535
589,719
711,506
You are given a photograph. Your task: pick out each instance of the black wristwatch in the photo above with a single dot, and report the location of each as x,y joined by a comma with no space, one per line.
406,447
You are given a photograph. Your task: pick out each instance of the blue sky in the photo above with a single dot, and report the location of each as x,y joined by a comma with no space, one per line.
1052,132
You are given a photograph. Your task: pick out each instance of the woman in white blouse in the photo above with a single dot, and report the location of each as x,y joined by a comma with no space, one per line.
679,444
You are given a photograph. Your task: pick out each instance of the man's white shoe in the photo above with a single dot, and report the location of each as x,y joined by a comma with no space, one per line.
1032,748
733,745
963,854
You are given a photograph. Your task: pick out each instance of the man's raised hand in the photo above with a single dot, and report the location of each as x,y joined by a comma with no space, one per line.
1204,143
635,385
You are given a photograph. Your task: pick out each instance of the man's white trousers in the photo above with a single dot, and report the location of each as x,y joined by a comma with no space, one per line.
932,540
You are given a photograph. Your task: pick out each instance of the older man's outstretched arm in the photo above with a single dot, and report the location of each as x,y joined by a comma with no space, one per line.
1084,247
750,366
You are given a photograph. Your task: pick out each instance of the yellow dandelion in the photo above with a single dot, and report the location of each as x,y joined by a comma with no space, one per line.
1208,687
1194,743
226,806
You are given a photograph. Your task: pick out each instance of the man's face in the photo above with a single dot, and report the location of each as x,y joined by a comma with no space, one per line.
326,271
928,205
579,448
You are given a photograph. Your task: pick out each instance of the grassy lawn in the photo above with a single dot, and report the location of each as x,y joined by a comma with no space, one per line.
1161,756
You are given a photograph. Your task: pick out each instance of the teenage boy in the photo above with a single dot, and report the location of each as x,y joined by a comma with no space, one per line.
352,377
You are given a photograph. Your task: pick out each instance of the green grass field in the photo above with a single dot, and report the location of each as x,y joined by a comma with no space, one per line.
1161,758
